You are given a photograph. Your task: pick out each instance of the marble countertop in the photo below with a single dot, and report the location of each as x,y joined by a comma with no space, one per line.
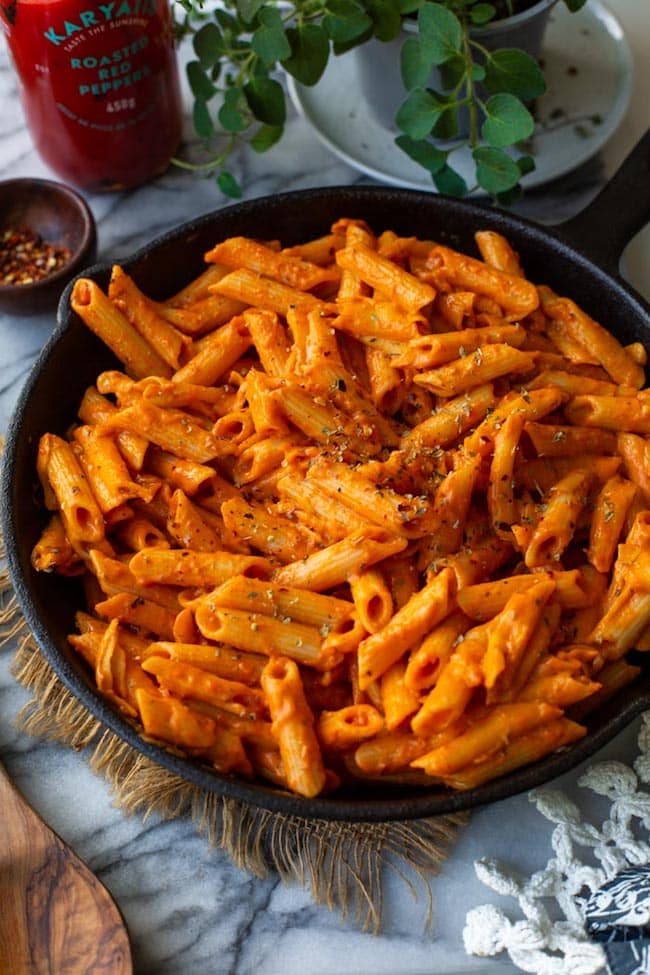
188,909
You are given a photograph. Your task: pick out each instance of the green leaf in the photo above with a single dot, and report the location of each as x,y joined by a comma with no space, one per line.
575,5
507,121
266,137
440,31
385,17
265,99
200,83
229,185
310,48
422,152
414,64
227,21
446,126
230,115
247,9
208,45
496,172
477,72
482,13
408,6
270,41
418,114
452,72
347,29
514,72
201,119
525,164
450,182
509,197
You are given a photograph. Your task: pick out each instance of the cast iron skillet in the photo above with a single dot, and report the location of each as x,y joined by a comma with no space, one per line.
579,260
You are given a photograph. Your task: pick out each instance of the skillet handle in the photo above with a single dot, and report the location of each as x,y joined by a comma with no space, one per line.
602,230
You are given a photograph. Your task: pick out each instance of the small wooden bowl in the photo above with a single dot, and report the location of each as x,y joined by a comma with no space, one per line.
59,216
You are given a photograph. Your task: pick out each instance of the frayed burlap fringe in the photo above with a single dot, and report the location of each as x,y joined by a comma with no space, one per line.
342,863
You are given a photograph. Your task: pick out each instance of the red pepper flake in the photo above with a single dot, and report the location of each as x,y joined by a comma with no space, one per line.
26,258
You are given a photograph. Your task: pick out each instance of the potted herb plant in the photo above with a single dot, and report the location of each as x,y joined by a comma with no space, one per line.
449,72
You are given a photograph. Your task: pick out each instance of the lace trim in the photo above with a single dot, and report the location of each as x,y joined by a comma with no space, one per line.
585,858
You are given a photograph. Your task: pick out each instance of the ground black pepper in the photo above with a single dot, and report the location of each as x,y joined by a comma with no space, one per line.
26,258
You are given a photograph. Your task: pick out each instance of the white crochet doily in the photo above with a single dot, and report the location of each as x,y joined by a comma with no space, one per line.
586,856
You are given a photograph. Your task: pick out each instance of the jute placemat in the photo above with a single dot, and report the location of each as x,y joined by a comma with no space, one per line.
344,864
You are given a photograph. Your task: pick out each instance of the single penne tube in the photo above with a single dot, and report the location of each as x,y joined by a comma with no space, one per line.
296,272
556,527
554,440
511,292
635,451
346,727
428,351
333,565
444,522
258,459
385,277
484,600
115,577
259,633
572,384
536,649
406,628
293,727
94,409
362,317
147,616
204,400
81,515
510,633
203,316
323,514
171,721
541,474
386,508
455,307
608,521
629,414
270,340
197,288
322,423
500,494
101,316
384,380
372,599
262,292
143,315
560,690
106,471
483,365
398,700
392,751
447,700
477,563
425,663
607,349
532,404
188,527
497,251
320,250
267,531
177,432
187,568
184,681
187,475
220,351
451,420
53,551
523,750
327,613
233,665
487,736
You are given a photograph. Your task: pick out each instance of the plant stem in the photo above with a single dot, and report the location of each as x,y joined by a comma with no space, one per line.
469,81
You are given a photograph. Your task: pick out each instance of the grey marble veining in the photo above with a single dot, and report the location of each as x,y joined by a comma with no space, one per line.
188,909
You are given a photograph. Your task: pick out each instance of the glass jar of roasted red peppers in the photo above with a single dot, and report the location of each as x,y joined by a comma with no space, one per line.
99,86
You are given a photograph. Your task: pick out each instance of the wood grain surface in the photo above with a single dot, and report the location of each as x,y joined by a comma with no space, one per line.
55,916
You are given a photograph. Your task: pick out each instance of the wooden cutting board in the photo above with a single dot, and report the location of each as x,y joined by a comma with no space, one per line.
55,916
